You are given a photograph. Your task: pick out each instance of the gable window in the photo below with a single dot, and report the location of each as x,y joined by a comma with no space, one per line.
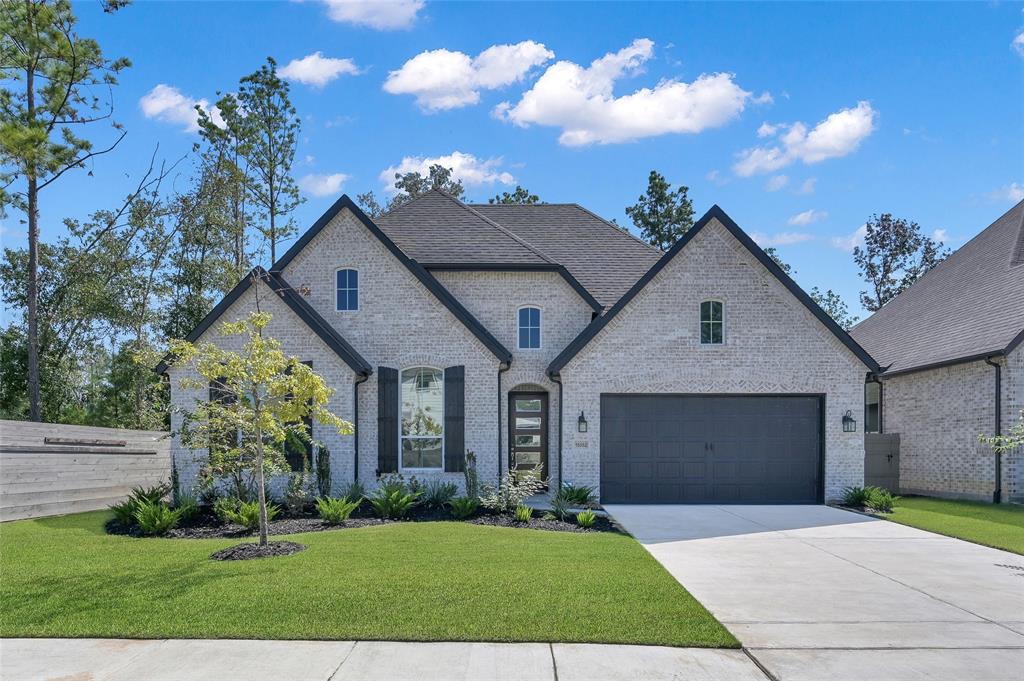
422,424
529,328
347,290
712,322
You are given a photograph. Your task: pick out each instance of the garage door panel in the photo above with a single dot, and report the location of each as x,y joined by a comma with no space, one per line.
710,449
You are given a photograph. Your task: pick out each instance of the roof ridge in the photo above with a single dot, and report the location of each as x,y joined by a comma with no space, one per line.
504,230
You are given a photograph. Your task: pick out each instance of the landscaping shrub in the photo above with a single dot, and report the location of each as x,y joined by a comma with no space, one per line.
125,511
295,494
463,507
586,518
515,488
335,511
855,496
879,499
355,491
225,507
323,471
150,494
577,495
437,494
523,514
155,518
187,506
559,507
247,513
472,480
392,501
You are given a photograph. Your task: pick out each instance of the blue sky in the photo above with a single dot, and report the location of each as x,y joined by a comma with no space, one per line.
799,120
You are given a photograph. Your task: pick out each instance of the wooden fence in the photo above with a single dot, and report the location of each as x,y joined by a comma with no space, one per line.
51,469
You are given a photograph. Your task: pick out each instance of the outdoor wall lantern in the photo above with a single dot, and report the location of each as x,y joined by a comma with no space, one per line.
581,423
849,423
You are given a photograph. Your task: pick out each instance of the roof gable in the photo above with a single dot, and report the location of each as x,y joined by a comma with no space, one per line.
595,327
435,287
328,334
967,307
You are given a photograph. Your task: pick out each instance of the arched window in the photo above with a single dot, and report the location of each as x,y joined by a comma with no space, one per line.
712,322
347,286
422,423
529,328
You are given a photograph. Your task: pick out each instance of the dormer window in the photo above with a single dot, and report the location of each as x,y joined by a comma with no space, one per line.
712,322
347,297
529,328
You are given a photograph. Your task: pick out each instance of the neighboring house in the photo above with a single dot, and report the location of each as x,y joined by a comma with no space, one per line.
953,362
542,334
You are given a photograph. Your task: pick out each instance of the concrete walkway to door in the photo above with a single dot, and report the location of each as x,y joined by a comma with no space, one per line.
815,593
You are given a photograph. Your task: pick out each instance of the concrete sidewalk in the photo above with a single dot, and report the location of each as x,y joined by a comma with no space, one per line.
226,660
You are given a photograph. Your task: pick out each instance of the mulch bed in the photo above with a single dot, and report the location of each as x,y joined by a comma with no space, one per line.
206,525
252,551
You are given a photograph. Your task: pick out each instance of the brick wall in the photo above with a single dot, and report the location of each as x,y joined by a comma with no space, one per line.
773,344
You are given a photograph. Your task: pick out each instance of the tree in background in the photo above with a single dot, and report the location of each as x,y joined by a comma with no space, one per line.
266,122
662,214
833,304
521,196
895,255
773,253
411,185
52,77
265,397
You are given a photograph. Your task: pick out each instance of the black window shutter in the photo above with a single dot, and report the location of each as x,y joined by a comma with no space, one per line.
455,419
387,420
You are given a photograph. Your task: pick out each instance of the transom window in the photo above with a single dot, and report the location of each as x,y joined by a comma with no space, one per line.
712,323
529,328
422,426
347,290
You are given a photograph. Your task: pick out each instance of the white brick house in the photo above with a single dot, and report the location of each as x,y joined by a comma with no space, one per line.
544,334
953,362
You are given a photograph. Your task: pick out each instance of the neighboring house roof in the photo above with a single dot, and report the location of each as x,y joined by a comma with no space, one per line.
327,333
588,334
597,258
428,280
969,306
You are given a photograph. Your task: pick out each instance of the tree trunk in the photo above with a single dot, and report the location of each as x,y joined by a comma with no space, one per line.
261,490
35,411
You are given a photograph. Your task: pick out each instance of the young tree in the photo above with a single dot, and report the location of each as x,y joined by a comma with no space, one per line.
53,76
1009,442
662,214
265,397
833,304
895,255
521,196
266,120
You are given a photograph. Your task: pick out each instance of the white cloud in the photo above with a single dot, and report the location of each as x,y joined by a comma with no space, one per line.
716,178
851,241
1018,43
776,183
442,79
322,185
1013,192
940,235
466,167
383,15
807,217
807,186
581,101
317,70
780,239
764,98
167,103
767,130
838,135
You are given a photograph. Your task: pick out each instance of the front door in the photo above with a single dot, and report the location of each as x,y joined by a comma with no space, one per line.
528,431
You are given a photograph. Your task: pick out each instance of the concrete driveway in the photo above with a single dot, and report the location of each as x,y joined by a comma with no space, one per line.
817,593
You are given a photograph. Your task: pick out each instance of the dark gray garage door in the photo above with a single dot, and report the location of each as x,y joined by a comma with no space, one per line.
697,449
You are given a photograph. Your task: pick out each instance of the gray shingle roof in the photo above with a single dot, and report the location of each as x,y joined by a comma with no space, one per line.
969,305
435,228
606,260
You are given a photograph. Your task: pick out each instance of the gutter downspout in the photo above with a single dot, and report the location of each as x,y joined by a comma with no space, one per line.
355,425
561,410
997,494
502,368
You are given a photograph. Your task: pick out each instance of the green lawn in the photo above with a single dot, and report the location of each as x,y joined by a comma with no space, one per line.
412,581
1000,526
